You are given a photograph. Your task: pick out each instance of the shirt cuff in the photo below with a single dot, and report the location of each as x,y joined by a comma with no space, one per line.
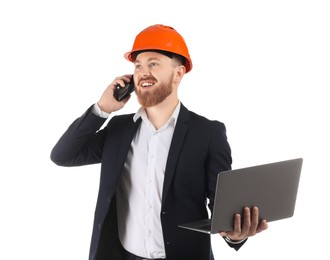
234,241
98,112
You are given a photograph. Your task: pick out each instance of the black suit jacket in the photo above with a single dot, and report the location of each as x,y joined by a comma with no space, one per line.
199,151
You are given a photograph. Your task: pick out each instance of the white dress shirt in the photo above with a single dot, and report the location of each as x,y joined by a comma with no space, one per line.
139,194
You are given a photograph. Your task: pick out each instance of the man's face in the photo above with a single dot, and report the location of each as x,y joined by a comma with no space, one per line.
154,75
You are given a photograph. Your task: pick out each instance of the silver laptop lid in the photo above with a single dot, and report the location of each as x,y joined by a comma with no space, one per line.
271,187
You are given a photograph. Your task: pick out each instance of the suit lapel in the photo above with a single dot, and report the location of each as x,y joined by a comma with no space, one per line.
175,149
129,134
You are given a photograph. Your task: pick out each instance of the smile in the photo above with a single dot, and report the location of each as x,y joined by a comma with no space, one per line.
147,84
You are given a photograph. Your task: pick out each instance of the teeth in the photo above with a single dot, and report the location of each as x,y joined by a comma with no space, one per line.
146,84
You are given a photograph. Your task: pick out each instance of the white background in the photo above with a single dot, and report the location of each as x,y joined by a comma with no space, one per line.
261,67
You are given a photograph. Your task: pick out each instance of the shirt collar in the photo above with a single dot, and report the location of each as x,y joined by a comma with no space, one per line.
171,121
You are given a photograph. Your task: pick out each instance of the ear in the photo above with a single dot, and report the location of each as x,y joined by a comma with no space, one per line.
181,70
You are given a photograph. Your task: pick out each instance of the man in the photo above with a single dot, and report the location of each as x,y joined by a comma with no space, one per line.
159,165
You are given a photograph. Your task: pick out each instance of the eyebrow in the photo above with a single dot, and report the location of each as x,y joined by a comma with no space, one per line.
150,59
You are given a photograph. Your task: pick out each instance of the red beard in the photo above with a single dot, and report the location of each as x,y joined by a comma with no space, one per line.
156,95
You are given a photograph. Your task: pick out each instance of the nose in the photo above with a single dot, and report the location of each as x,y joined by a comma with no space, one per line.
144,71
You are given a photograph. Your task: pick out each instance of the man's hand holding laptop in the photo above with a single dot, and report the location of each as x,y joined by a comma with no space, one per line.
250,226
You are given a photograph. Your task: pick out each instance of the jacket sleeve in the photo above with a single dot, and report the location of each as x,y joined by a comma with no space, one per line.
236,246
81,143
219,159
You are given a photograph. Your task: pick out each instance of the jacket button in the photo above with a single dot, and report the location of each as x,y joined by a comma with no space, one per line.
100,226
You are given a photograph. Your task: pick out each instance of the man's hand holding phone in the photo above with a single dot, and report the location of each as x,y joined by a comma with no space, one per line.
121,92
112,99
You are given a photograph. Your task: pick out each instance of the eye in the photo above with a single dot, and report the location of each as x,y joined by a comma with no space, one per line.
138,66
153,64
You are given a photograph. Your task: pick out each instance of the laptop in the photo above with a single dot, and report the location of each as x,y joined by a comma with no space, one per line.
271,187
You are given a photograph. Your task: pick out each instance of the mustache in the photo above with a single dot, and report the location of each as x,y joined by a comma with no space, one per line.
147,78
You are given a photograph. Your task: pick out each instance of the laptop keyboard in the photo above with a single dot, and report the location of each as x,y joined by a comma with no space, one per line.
204,224
206,227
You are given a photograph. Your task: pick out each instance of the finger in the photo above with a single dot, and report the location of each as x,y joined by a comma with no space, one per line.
262,226
237,224
119,82
122,80
237,230
254,220
247,221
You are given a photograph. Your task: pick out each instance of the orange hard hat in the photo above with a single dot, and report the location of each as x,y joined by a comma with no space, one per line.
162,38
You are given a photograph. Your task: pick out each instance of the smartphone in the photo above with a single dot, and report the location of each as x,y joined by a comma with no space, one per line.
121,92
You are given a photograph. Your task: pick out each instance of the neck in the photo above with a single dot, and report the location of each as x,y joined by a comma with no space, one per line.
160,114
